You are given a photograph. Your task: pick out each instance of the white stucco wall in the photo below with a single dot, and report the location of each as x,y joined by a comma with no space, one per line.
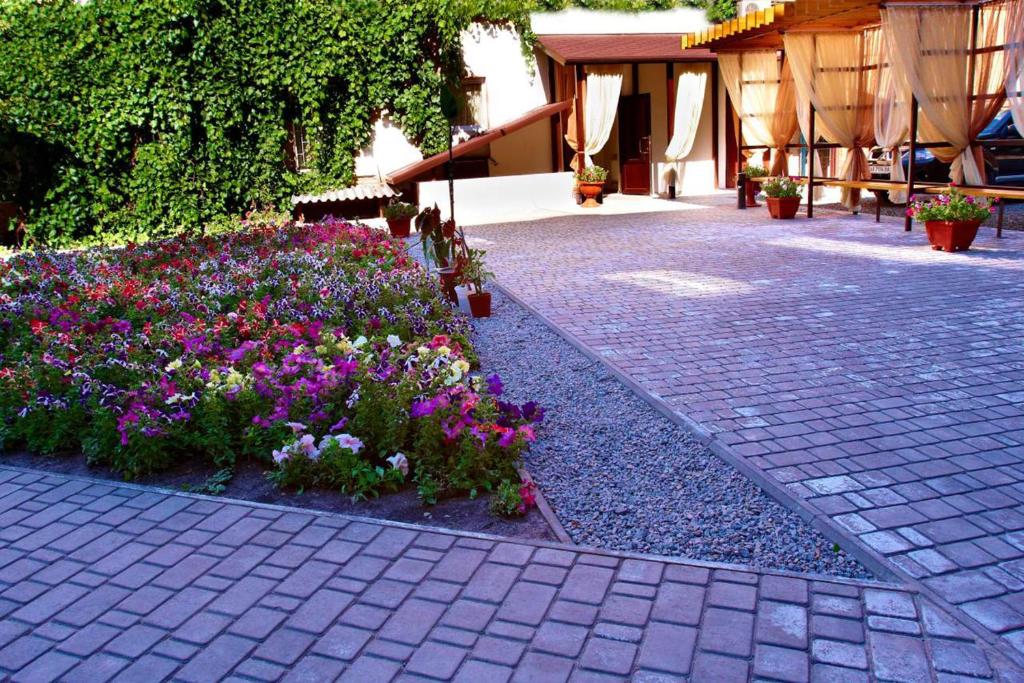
513,84
577,21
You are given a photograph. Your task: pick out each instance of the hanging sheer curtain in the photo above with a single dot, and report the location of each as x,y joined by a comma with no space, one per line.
930,47
1015,63
892,113
768,114
838,74
690,87
600,104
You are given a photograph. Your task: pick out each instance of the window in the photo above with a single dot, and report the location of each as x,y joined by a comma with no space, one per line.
473,108
297,152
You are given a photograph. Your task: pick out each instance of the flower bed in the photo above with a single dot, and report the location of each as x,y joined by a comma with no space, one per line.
323,351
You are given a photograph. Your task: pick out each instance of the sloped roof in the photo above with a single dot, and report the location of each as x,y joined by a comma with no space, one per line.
620,48
420,167
348,194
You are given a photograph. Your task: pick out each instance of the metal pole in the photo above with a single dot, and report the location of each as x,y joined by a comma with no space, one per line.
810,165
912,163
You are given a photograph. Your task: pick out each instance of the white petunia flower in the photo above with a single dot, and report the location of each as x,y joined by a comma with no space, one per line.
400,463
394,340
360,341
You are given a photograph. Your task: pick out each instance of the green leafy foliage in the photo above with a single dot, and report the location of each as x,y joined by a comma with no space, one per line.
158,116
140,119
718,10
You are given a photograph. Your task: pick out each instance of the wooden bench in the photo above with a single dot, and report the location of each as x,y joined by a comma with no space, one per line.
989,192
877,187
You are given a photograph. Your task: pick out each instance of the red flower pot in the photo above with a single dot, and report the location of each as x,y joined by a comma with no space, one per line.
399,227
951,235
480,304
449,278
783,207
752,188
590,192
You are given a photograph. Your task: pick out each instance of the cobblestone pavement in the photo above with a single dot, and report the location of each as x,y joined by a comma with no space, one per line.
879,381
103,581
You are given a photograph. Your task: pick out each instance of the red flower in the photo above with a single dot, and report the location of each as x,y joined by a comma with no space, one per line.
37,326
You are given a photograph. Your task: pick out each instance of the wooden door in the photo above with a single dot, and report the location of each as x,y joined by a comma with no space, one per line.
635,143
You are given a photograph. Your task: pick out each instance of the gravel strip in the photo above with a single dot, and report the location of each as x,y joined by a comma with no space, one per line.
621,476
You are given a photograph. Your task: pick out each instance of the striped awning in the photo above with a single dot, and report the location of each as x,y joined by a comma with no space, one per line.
358,192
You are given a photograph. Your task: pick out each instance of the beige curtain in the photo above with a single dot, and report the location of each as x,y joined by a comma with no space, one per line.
764,102
930,48
891,114
838,74
1015,63
690,88
600,104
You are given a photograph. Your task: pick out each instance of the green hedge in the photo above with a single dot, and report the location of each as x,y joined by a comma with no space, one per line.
143,118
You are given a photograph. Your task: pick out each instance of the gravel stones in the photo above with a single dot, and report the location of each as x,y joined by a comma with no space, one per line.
621,476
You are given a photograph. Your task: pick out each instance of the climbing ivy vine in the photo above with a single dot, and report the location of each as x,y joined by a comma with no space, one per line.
143,118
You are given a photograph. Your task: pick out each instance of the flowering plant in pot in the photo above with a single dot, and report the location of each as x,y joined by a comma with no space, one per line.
755,174
475,273
399,216
591,181
783,196
952,220
443,248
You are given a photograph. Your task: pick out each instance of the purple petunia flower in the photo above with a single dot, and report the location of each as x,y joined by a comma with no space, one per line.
494,384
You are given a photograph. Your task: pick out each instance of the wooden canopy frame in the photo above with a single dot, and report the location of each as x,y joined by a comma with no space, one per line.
765,28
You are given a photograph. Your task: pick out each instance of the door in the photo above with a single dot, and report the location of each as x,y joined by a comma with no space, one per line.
635,143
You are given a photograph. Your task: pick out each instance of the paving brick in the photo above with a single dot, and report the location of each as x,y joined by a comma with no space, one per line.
669,648
898,657
255,605
216,660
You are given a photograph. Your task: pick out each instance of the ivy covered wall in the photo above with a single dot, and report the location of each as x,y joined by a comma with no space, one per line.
132,119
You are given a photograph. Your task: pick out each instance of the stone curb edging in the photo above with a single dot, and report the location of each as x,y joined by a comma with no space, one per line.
544,508
818,520
537,543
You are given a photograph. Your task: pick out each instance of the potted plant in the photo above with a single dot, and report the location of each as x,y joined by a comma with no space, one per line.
591,181
443,248
755,174
952,220
475,273
783,196
399,217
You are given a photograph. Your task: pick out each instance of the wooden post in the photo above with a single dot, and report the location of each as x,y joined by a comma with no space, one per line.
971,60
912,163
714,120
810,164
581,144
670,90
556,128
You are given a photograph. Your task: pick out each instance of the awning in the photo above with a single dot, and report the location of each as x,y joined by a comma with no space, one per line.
761,29
620,49
358,192
418,168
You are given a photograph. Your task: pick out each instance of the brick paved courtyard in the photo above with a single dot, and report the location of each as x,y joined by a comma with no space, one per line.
882,383
103,581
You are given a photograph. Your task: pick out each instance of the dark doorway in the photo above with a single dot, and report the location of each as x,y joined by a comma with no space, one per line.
635,143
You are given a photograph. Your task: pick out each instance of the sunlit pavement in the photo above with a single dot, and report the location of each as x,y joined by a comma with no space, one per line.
881,383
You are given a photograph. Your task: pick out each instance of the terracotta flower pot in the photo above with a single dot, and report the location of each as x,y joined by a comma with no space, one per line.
480,304
951,235
590,192
752,188
449,276
783,207
399,227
